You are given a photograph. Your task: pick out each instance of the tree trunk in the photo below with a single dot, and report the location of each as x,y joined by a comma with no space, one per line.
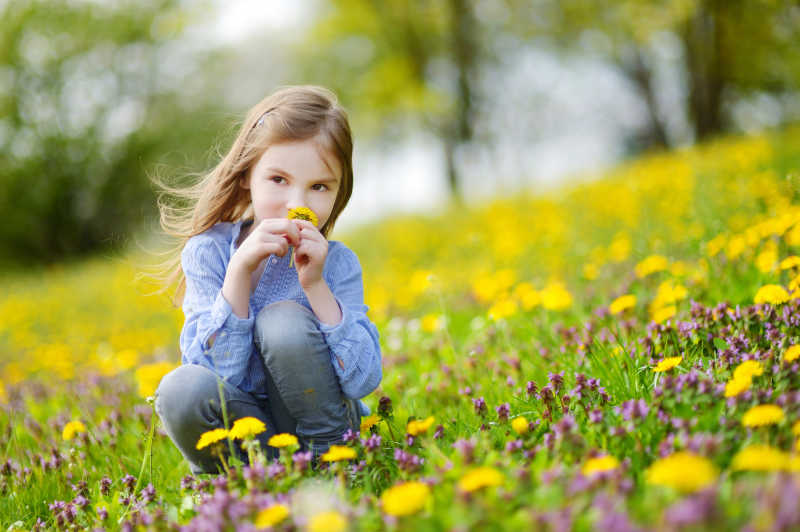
640,73
464,50
701,38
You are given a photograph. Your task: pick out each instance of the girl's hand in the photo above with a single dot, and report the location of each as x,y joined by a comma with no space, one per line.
271,236
309,254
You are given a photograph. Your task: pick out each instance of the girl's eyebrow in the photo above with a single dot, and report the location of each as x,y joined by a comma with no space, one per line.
281,171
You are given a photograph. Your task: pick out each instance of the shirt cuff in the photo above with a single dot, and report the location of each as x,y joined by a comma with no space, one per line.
223,317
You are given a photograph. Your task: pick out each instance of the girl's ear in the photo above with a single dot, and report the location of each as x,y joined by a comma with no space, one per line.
244,181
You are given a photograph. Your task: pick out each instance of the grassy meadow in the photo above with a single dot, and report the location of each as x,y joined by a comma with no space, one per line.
621,353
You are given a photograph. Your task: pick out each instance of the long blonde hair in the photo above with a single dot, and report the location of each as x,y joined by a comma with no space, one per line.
291,113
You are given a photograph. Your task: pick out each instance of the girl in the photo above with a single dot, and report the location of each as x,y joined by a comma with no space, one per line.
272,308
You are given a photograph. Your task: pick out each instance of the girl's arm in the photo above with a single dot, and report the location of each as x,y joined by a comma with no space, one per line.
354,345
323,304
270,236
213,335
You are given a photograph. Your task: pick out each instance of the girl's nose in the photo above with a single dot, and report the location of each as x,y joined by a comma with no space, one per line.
296,199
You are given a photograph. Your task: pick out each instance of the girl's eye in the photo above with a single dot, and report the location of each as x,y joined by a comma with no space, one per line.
321,186
276,179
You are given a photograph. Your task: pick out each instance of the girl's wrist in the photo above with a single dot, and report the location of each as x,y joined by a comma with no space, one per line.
323,303
315,286
237,267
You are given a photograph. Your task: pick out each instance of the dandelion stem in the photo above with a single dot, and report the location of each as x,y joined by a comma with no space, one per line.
225,421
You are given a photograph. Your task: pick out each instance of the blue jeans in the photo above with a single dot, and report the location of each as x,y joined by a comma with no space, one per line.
304,396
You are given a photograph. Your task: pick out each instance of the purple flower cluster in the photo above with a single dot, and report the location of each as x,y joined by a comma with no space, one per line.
407,461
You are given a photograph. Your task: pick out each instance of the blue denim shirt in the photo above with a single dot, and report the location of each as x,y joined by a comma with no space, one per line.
215,337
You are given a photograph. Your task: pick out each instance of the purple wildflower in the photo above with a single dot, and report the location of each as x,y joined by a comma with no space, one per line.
480,405
275,469
301,459
466,448
129,481
513,445
407,461
350,435
502,411
372,443
105,485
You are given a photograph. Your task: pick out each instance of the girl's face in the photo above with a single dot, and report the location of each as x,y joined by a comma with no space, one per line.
294,174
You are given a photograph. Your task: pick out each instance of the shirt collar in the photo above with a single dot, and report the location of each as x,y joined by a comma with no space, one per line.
238,227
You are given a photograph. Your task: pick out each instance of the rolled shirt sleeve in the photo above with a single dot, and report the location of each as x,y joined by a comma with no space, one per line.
213,336
354,341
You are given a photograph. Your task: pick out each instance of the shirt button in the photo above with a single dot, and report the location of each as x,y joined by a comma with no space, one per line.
273,260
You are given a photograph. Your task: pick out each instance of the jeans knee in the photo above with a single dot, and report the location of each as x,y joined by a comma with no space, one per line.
285,331
178,393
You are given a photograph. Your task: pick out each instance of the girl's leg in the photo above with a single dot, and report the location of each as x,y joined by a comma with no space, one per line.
188,403
305,397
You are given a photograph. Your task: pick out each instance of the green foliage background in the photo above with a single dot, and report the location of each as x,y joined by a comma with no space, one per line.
86,115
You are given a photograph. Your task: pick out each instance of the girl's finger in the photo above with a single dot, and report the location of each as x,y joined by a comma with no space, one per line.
281,227
277,238
305,224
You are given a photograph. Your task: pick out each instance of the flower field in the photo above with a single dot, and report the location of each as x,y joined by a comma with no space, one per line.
621,353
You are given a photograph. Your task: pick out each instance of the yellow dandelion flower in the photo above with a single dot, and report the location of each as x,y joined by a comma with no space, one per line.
555,297
715,245
760,458
663,314
479,478
748,369
683,471
771,293
796,428
735,247
303,213
736,386
338,452
416,426
282,440
331,521
790,262
620,248
652,264
669,292
679,268
667,364
590,271
502,309
622,303
599,465
148,376
211,436
761,415
520,425
369,422
765,261
431,322
792,353
527,295
406,498
271,516
246,427
72,428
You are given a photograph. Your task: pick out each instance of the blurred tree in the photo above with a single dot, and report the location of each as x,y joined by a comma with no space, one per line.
731,49
402,63
88,104
419,63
